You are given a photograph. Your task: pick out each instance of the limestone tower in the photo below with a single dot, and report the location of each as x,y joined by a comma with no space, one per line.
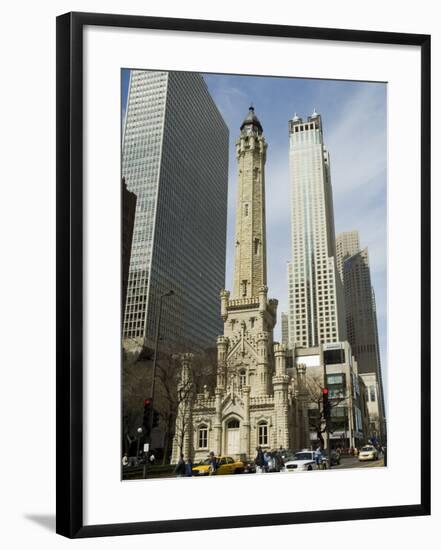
245,349
250,256
252,403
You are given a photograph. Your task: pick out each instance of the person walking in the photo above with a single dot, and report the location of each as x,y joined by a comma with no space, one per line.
152,459
319,457
188,467
259,460
267,462
213,463
180,467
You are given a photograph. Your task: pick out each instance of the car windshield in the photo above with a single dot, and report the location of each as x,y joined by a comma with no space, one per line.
288,456
204,462
367,448
303,456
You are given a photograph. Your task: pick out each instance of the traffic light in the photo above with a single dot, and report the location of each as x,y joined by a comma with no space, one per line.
326,405
155,420
147,412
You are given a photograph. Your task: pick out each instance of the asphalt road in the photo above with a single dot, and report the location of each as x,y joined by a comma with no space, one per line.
353,462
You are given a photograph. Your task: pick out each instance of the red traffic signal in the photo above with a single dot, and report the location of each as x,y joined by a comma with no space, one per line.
147,402
325,391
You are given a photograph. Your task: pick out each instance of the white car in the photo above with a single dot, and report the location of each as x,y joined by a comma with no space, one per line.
368,452
302,461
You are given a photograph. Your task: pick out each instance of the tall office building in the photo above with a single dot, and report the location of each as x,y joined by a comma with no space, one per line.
175,159
128,203
284,322
316,302
347,243
361,319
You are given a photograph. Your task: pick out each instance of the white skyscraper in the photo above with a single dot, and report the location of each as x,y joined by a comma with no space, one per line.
316,302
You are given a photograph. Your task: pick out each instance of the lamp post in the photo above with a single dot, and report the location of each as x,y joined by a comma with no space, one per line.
139,430
155,358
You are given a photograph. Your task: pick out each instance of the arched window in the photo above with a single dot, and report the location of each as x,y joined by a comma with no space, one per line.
242,379
203,437
262,433
233,423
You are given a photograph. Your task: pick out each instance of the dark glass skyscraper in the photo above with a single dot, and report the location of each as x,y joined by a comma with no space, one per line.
175,158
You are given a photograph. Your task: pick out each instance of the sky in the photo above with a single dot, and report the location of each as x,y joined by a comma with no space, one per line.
354,118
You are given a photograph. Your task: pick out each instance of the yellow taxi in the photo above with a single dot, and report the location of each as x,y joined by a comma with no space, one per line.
225,465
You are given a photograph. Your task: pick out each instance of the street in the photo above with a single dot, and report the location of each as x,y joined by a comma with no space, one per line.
353,462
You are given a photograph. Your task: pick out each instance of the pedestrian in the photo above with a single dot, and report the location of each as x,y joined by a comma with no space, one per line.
125,460
213,463
319,457
188,467
259,461
267,461
180,467
152,459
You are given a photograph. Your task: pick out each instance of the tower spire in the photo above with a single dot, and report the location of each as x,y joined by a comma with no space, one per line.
250,256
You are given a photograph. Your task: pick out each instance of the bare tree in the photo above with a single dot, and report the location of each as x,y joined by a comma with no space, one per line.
172,395
136,381
314,387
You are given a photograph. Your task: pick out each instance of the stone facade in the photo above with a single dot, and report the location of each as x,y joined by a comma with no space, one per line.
254,402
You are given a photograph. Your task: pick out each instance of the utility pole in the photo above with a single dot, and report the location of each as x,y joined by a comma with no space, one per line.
326,416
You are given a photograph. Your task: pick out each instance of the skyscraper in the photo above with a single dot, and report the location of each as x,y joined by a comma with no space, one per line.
361,319
128,203
284,321
175,158
316,302
347,243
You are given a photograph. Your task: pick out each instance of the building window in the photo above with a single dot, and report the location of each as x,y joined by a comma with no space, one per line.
242,378
263,433
203,437
372,393
244,287
233,423
246,209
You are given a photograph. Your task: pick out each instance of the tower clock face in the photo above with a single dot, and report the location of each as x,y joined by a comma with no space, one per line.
249,129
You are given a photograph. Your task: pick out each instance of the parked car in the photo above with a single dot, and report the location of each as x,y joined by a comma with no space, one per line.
368,452
335,458
225,465
250,467
276,462
301,461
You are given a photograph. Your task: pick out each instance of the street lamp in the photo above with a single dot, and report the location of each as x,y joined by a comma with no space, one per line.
139,430
155,357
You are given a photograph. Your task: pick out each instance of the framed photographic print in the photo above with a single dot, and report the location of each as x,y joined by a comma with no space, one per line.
243,288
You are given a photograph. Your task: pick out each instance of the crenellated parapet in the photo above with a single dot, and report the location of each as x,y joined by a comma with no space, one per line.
262,401
224,297
186,360
203,403
302,390
263,299
280,359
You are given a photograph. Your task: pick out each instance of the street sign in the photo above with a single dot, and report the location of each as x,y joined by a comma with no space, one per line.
146,447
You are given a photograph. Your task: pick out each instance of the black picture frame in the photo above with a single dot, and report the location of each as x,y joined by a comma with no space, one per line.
69,294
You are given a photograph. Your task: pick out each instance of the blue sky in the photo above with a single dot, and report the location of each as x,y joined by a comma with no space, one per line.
354,116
